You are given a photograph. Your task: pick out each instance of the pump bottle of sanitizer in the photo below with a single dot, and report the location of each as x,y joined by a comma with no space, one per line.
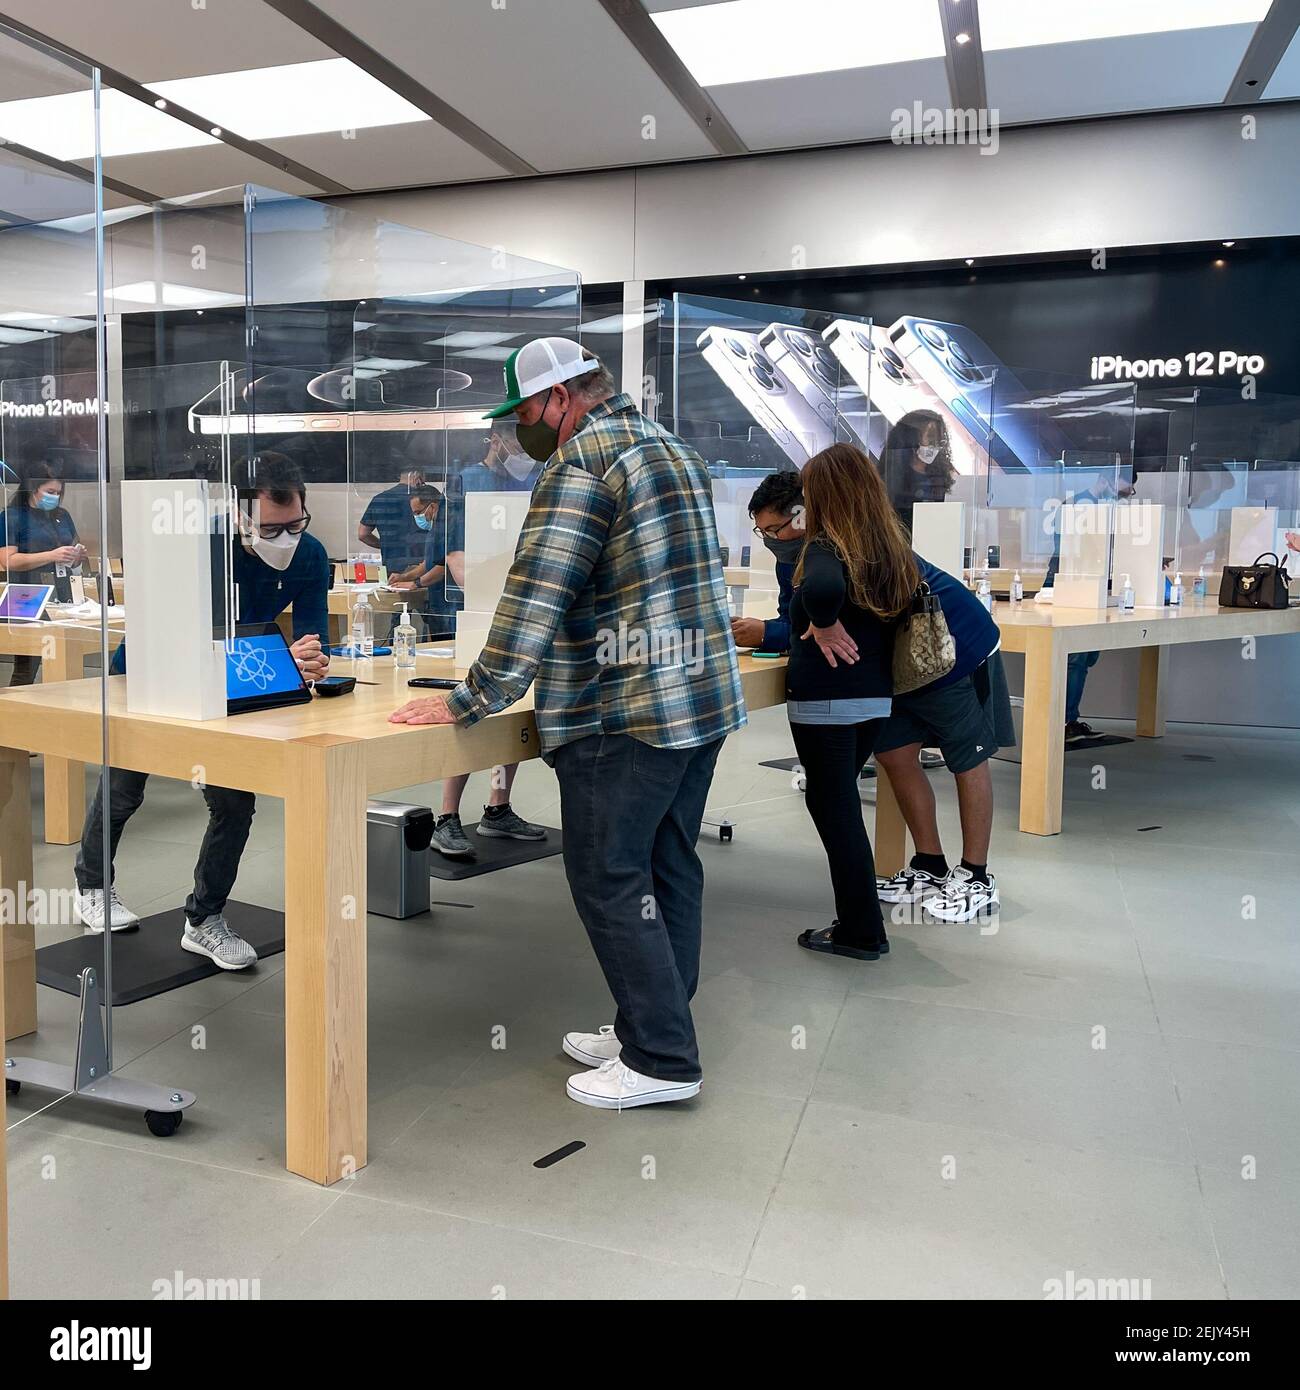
363,629
404,642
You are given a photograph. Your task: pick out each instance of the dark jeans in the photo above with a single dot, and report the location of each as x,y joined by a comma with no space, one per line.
26,669
832,755
230,814
1077,666
631,815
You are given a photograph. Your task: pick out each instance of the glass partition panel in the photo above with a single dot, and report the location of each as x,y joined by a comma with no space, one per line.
799,376
54,640
1052,443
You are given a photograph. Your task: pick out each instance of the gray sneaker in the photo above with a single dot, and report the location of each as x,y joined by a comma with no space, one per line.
449,838
214,939
502,823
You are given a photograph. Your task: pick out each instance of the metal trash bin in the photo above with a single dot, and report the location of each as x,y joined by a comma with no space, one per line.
397,858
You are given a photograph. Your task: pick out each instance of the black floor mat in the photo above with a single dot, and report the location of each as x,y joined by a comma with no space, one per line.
149,960
494,854
867,774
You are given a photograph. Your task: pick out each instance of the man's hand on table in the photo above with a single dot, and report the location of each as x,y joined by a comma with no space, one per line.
432,709
313,660
748,632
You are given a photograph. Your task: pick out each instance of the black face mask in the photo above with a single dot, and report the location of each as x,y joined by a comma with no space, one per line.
787,552
540,440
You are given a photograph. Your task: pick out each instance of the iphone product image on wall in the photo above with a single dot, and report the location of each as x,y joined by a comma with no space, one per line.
865,352
752,377
980,390
811,369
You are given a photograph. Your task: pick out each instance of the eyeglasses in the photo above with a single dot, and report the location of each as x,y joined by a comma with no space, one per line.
294,528
771,533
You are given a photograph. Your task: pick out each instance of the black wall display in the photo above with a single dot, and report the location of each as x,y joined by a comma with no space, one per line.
1219,318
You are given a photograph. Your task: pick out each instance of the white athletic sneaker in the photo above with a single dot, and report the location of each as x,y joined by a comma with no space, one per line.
613,1086
593,1049
214,939
89,907
963,899
908,886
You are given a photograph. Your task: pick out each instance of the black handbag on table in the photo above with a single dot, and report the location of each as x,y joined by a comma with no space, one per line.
1255,586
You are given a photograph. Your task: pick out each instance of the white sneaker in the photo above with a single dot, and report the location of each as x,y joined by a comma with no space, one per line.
593,1049
963,899
909,886
214,939
89,907
613,1086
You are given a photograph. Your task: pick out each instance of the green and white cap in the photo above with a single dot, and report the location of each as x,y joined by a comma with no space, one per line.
535,366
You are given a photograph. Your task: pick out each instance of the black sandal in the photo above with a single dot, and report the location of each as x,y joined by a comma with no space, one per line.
823,940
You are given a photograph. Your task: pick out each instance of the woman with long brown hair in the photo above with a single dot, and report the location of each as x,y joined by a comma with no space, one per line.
854,580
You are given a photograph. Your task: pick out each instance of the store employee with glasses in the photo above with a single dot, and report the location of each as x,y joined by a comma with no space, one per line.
275,563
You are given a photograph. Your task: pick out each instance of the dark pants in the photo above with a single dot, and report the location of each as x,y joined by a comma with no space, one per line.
832,755
26,669
230,814
631,815
1077,666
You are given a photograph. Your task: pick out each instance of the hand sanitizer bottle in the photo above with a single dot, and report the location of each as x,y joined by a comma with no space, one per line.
363,629
1017,588
1176,592
404,642
1198,584
985,593
1126,598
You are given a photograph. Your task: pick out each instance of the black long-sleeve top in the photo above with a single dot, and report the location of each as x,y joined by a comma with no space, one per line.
821,599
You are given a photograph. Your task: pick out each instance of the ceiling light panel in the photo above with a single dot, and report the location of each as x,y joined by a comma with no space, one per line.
259,104
1035,23
298,99
756,40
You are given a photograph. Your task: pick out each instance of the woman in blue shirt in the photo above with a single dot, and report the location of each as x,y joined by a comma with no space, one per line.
38,534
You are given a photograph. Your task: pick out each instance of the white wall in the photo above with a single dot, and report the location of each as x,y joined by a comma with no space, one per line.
1127,182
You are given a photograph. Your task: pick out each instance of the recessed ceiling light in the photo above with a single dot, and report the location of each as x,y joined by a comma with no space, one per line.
161,104
1230,243
1220,263
216,130
963,38
1028,23
742,277
755,40
970,260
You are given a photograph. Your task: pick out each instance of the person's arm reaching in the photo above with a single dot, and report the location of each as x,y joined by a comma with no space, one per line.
311,601
776,631
562,538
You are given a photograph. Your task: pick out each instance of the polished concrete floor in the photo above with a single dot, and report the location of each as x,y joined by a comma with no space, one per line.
1106,1086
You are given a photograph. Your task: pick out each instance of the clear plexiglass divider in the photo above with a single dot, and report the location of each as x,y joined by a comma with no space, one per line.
1057,484
1237,486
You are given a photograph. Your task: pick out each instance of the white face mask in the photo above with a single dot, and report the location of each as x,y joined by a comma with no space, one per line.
927,453
519,466
278,552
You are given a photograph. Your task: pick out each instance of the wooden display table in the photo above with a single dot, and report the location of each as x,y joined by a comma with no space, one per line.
1047,635
324,760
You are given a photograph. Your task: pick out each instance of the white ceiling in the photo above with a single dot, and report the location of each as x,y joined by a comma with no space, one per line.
559,85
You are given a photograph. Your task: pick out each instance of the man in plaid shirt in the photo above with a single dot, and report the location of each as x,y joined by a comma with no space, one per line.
615,606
